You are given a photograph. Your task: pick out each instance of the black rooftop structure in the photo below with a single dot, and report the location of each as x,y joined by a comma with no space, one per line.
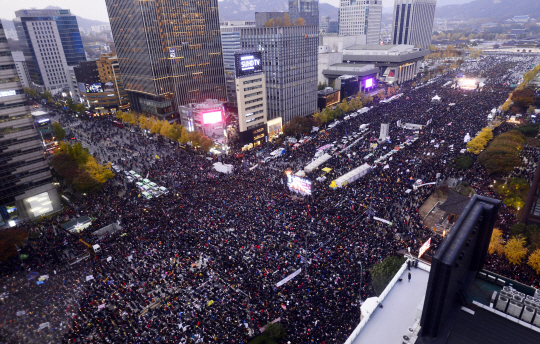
455,203
454,267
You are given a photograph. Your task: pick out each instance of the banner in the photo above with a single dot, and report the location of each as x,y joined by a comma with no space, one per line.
424,248
288,278
42,326
19,313
89,277
101,306
383,220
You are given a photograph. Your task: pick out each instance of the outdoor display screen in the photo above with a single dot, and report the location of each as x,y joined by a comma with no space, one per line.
248,63
212,117
299,185
94,88
369,83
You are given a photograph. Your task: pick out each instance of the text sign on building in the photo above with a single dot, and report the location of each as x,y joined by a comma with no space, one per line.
172,53
247,63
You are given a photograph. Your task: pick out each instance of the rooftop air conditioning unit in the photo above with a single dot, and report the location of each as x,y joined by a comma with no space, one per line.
528,314
518,298
514,309
502,303
537,294
507,288
536,321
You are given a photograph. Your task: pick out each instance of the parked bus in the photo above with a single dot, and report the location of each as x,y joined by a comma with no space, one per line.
117,124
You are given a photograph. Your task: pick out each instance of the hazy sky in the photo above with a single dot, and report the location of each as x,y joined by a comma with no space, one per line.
90,9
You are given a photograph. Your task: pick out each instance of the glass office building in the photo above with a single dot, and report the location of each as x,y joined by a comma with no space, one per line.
169,52
52,42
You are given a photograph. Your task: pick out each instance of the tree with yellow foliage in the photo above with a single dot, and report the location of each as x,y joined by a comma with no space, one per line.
300,22
156,127
100,173
534,261
515,250
496,244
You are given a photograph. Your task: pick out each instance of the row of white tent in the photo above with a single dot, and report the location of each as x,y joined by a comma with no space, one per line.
353,175
317,162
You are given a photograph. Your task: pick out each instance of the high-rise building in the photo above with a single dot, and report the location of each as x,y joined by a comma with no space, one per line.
361,17
306,9
413,22
52,43
26,189
230,37
169,53
289,61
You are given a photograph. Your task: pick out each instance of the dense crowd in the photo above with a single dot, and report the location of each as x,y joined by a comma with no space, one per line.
200,264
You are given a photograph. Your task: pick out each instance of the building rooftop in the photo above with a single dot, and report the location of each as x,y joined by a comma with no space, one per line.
455,203
390,323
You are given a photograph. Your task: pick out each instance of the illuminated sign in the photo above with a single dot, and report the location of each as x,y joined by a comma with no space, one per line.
368,83
94,88
212,117
8,93
172,52
43,120
248,63
260,130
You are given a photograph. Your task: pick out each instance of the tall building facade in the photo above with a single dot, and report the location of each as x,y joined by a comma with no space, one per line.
169,52
26,189
289,61
413,22
22,68
306,9
361,17
52,43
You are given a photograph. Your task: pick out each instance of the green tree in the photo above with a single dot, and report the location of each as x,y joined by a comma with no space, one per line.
275,330
80,108
515,250
383,272
77,152
65,166
70,104
529,130
30,92
322,85
47,95
464,162
59,132
85,183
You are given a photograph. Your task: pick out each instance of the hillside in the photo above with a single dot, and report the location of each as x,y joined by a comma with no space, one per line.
490,9
245,9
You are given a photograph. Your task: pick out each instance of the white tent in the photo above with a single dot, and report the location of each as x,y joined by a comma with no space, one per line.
436,99
467,138
353,175
223,168
317,162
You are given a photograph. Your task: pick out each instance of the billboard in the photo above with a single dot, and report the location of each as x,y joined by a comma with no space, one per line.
247,63
212,117
94,88
298,185
368,83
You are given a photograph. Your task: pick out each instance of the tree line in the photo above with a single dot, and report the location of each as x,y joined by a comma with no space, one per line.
175,131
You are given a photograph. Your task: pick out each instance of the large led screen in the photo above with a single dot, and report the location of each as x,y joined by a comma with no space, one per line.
248,63
299,185
40,204
94,88
212,117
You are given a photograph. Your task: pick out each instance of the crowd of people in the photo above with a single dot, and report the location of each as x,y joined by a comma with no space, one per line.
202,263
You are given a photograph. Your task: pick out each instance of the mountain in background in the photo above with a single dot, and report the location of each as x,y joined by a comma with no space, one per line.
245,9
490,9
